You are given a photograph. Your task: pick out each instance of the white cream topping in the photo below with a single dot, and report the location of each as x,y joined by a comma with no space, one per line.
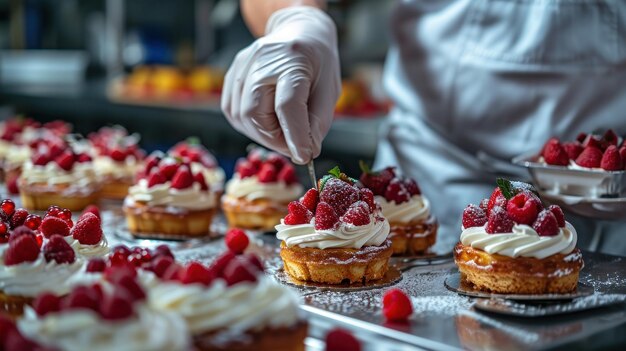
31,278
239,308
416,209
251,189
146,278
192,198
17,156
82,174
346,236
214,177
523,241
82,329
105,166
98,250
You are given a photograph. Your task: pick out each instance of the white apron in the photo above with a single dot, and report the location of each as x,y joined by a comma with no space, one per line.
497,77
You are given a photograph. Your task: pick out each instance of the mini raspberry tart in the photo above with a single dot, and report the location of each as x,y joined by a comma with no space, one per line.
58,173
511,244
338,236
201,160
587,152
413,227
117,161
262,186
170,200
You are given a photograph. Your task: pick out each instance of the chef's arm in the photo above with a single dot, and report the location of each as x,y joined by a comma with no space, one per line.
257,12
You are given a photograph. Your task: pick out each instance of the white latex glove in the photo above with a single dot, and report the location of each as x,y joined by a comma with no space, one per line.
281,90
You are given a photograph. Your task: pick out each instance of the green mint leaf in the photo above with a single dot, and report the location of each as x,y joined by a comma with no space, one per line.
193,140
506,188
364,167
335,172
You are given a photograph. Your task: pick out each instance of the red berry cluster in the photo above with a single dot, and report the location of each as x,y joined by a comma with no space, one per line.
13,128
11,339
588,151
341,340
115,304
56,150
522,206
25,244
269,167
389,185
397,305
115,143
191,150
12,218
160,169
131,258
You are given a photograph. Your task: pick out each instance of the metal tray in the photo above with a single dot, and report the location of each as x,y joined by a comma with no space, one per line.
577,182
596,208
518,309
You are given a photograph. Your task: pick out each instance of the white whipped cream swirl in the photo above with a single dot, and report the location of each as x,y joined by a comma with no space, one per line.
81,174
214,177
32,278
416,209
105,167
523,241
98,250
346,236
81,329
251,189
238,308
192,198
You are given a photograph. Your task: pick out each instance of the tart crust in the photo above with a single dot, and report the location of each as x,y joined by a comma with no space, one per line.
115,189
336,266
555,274
13,305
145,221
35,198
413,238
275,339
258,214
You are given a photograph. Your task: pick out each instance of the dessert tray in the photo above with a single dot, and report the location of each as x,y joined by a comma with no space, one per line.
599,208
520,309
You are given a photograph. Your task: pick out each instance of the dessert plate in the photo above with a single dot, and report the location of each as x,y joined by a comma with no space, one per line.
392,277
517,309
454,283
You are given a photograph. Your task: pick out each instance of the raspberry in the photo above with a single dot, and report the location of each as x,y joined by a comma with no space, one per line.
65,214
12,186
161,264
376,181
18,218
276,160
522,208
91,209
622,153
554,153
163,250
484,205
236,240
114,273
339,195
117,306
53,211
546,224
611,160
558,214
357,214
298,214
119,254
591,157
32,221
82,158
325,217
182,179
131,286
474,216
496,199
397,192
4,229
195,272
199,178
412,187
591,141
21,230
152,161
267,174
499,221
256,157
66,160
368,196
45,303
40,159
581,137
117,155
168,168
254,261
59,250
96,265
239,270
396,305
53,225
22,249
309,200
610,137
8,207
156,178
172,272
245,168
288,175
14,341
81,297
573,149
88,229
220,263
341,340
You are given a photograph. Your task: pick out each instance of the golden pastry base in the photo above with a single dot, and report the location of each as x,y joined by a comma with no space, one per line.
13,306
147,222
521,275
336,266
276,339
40,201
260,214
115,189
415,238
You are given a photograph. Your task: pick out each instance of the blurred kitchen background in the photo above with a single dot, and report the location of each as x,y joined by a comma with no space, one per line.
156,67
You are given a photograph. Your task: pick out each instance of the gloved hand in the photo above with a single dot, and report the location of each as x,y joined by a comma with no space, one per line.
282,89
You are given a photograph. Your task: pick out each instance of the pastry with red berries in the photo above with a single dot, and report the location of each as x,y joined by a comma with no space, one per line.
262,186
59,173
338,235
587,152
512,244
413,227
118,159
201,160
170,199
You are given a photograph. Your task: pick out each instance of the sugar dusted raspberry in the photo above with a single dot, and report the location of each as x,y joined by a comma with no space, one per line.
156,178
54,225
546,224
131,286
397,192
117,306
523,208
22,249
92,209
46,303
341,340
82,297
220,263
298,214
163,250
95,265
245,169
236,240
58,250
474,216
199,178
239,270
310,199
484,205
591,141
496,199
611,160
325,217
66,160
554,153
412,187
558,214
357,214
397,305
377,182
288,175
339,195
368,196
160,265
196,273
182,178
88,229
167,168
267,174
610,137
591,157
573,149
18,218
499,221
276,160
